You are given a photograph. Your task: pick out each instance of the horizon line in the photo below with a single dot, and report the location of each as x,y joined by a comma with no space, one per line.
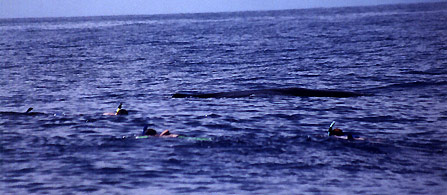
217,12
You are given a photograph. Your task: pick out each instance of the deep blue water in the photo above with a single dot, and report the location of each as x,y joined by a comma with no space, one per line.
72,70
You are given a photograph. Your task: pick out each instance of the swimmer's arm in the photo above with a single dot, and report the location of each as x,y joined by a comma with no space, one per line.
166,133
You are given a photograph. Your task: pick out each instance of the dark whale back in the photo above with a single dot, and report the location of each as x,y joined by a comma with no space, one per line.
301,92
316,93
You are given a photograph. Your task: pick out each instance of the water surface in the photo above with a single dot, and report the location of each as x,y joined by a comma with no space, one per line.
72,70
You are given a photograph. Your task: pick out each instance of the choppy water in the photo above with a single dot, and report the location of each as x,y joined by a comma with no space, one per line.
74,69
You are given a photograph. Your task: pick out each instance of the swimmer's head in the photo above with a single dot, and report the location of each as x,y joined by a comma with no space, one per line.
336,131
121,111
147,131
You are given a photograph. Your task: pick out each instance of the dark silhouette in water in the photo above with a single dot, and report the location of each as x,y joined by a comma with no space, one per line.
151,132
121,111
340,134
302,92
29,110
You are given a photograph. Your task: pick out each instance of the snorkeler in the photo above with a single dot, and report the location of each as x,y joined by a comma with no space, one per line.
152,132
338,133
148,133
119,111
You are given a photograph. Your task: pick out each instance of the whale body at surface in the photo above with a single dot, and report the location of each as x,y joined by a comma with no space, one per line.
301,92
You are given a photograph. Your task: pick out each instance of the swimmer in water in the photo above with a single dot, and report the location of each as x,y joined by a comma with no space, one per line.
152,132
338,133
119,111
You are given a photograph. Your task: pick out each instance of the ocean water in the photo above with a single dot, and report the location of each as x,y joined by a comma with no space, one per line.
72,70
